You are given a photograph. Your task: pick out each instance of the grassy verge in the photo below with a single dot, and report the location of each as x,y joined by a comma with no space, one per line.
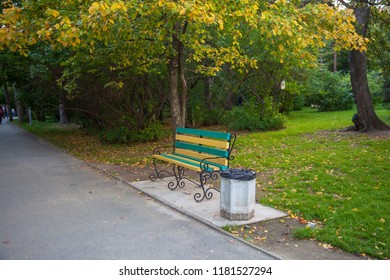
87,146
339,181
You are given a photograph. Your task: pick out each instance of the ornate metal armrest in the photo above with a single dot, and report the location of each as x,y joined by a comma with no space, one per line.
204,165
157,150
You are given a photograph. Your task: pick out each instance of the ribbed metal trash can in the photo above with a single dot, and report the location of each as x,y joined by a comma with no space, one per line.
238,194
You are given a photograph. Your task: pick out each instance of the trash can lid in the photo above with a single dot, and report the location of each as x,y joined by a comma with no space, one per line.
238,174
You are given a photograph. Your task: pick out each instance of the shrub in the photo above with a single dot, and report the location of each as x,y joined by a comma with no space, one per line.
250,117
122,134
376,84
331,91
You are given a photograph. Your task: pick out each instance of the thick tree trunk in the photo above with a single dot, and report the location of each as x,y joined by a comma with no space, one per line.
177,104
366,119
174,99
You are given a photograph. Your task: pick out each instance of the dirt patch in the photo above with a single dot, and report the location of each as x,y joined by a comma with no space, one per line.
275,236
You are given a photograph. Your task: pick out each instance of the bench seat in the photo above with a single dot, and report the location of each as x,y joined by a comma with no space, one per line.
206,152
190,162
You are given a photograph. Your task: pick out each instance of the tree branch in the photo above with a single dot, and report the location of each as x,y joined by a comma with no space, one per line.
347,5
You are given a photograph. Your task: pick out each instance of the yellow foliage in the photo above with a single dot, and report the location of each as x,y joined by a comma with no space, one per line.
290,30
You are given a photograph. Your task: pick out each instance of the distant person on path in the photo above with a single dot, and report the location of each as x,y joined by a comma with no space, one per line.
1,114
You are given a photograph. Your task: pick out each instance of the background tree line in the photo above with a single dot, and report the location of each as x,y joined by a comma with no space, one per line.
126,68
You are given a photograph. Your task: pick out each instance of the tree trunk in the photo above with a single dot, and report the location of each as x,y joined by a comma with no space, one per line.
184,87
8,101
174,99
366,119
19,109
207,92
64,119
62,112
175,72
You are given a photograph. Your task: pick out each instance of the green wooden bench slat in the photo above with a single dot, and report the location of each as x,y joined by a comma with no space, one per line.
202,149
172,156
220,166
205,133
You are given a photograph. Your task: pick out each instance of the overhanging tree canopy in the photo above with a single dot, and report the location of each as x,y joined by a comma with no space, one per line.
148,35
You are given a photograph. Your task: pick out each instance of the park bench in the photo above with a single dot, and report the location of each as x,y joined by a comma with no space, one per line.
206,152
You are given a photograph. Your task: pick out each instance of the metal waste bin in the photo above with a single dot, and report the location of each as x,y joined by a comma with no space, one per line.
238,194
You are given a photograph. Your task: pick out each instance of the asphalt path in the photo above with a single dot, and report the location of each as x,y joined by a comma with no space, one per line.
55,207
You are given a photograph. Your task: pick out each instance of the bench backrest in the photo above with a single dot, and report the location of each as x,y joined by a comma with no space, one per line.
203,144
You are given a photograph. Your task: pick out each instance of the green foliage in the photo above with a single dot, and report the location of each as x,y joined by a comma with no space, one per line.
200,115
376,85
252,118
291,99
119,135
203,112
331,91
386,99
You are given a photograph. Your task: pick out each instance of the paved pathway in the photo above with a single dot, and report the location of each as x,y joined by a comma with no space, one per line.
53,206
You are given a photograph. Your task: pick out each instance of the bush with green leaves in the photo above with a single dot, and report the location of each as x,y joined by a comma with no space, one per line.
330,91
251,117
122,134
376,84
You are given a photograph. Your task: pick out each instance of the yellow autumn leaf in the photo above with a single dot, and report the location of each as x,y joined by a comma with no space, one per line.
182,11
115,7
260,238
54,13
93,8
220,22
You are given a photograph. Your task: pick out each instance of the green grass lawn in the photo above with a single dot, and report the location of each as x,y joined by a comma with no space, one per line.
315,172
309,169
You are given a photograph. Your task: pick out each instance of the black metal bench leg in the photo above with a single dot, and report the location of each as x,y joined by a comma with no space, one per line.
207,191
178,171
158,174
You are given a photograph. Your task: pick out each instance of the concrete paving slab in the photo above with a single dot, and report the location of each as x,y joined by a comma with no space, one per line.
207,210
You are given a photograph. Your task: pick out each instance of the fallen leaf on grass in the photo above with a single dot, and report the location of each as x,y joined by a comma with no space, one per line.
260,238
326,246
303,221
